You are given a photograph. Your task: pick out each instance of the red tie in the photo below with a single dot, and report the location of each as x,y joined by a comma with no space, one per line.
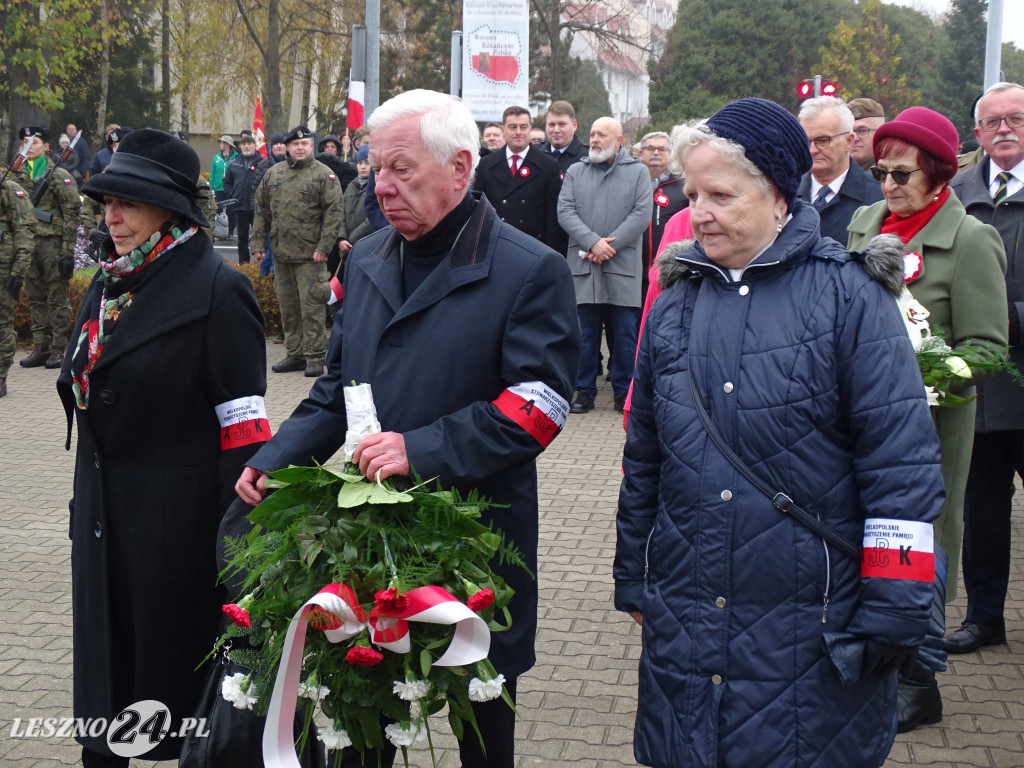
515,164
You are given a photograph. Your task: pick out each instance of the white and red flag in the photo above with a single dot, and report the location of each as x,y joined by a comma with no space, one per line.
356,100
257,129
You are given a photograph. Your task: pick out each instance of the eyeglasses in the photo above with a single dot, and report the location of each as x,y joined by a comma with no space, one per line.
656,150
863,131
1016,120
900,177
824,142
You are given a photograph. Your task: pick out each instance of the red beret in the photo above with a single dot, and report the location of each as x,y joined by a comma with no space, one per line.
924,128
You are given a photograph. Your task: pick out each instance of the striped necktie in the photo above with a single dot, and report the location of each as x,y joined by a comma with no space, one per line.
1000,195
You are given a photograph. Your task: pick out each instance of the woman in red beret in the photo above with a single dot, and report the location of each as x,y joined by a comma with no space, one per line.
954,267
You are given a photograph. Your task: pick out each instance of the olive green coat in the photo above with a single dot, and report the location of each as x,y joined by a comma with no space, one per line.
61,199
962,285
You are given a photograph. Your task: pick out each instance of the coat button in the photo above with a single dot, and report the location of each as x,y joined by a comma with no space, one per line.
744,290
716,679
107,397
98,530
728,387
726,495
720,602
96,460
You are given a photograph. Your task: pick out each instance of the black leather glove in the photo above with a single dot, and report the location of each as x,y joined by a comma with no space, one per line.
66,266
13,285
96,237
882,659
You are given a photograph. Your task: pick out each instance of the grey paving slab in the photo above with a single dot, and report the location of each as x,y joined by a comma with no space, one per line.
577,705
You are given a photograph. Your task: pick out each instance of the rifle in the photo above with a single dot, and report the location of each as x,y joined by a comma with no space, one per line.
19,160
44,182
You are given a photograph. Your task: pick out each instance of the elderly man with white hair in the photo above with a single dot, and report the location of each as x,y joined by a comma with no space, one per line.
835,186
466,329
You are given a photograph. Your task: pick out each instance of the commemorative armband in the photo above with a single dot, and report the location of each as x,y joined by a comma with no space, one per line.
535,407
242,422
898,549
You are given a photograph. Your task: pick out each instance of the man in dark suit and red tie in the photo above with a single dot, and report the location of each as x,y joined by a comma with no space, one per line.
521,182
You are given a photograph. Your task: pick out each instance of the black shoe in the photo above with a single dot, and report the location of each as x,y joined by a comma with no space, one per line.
288,365
917,703
35,358
582,403
620,404
970,637
56,359
314,368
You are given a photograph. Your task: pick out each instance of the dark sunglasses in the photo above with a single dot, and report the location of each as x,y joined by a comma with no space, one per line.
900,177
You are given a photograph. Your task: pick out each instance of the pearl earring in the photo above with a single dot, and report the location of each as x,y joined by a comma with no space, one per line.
779,228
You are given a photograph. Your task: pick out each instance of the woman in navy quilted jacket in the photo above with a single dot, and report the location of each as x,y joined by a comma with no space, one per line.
763,644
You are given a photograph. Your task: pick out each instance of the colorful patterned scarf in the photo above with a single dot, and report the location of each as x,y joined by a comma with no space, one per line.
96,332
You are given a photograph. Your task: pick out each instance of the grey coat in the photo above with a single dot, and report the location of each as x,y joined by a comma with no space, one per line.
596,203
1000,400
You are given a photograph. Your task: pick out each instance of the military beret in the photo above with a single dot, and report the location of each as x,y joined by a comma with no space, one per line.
299,132
34,130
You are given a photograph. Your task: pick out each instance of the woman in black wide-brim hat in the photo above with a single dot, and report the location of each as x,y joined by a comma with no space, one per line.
166,373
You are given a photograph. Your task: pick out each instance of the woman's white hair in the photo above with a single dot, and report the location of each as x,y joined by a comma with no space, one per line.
447,125
687,137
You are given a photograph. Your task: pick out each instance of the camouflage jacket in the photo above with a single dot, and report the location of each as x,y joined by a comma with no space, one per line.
61,201
299,204
17,237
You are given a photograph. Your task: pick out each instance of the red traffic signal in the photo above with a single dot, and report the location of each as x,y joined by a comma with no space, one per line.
816,86
806,89
828,88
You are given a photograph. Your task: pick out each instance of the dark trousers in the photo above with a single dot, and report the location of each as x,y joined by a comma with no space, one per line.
497,723
621,325
243,224
996,457
92,759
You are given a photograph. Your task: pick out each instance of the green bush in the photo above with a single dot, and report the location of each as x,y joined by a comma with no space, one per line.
262,284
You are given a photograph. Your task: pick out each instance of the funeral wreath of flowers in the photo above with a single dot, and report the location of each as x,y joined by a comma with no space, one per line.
394,594
947,372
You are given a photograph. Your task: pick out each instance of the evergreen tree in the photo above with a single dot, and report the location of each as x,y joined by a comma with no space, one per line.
963,69
863,60
923,44
721,51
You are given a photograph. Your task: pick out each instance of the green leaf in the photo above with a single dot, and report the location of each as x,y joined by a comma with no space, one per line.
426,660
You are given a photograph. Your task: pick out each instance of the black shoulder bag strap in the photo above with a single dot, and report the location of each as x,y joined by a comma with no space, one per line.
781,501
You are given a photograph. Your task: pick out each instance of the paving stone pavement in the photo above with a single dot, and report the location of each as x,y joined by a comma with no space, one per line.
576,705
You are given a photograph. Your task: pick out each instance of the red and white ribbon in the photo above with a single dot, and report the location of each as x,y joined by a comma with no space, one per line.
431,605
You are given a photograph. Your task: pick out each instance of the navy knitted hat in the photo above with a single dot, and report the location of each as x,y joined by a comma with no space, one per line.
364,153
772,139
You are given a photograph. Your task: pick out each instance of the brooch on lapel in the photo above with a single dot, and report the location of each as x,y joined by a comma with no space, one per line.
661,199
524,171
911,266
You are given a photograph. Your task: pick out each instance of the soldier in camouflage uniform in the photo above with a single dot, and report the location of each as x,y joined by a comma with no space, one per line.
16,242
299,203
53,260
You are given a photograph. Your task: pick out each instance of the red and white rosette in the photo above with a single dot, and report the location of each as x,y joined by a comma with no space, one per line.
337,604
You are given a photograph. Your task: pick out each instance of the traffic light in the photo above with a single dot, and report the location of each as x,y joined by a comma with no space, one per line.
816,86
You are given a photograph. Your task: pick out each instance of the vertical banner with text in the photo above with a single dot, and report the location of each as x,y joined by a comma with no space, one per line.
495,56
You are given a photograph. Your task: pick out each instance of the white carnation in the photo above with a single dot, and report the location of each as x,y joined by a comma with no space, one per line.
413,690
313,692
485,690
334,736
405,736
234,688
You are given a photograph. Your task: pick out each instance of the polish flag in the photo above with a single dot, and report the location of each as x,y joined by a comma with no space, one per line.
356,100
337,291
257,128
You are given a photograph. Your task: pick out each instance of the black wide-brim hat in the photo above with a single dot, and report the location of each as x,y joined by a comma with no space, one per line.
152,167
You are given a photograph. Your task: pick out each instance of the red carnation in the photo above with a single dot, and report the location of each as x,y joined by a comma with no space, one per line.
321,619
363,657
389,601
482,599
237,614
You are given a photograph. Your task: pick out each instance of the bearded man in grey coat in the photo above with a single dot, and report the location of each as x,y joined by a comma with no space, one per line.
605,207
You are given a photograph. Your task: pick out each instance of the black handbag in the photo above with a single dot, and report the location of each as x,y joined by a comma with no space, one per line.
780,500
226,737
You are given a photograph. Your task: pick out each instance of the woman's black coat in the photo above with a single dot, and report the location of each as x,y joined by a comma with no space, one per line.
152,482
